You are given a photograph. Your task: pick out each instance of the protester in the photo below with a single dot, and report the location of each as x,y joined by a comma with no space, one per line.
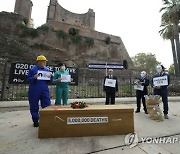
161,88
110,87
62,85
38,89
141,84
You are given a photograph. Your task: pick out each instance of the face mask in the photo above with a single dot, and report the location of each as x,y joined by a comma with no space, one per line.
63,68
159,69
143,74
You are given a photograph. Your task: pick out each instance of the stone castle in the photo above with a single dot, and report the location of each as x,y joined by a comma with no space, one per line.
61,19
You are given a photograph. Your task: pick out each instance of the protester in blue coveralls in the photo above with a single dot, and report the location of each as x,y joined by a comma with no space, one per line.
38,89
162,90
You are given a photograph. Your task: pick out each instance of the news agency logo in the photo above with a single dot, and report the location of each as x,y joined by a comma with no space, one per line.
131,140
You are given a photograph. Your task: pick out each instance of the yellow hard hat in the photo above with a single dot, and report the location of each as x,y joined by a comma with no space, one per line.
41,58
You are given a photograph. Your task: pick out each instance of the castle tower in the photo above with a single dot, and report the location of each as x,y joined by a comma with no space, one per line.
24,8
51,10
56,13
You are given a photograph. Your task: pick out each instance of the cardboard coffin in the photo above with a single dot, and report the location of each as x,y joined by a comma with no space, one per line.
94,120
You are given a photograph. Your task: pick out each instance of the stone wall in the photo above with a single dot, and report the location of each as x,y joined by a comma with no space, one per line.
57,13
24,8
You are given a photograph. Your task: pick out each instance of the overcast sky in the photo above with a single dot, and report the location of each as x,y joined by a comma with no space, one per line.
136,22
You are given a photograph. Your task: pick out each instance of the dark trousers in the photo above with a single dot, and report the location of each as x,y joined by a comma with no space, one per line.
110,95
139,97
164,95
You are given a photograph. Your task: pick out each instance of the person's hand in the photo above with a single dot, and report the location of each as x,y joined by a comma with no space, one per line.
59,79
156,87
137,82
36,76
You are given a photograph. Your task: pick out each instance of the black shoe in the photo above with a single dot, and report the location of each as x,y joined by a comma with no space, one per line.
36,124
137,111
145,112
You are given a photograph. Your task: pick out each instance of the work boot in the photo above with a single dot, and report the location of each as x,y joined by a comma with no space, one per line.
166,116
36,124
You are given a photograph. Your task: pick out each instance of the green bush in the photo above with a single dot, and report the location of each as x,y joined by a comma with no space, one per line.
89,42
27,32
61,34
44,28
75,39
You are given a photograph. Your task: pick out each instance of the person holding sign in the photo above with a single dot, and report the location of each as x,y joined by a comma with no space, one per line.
38,77
110,87
160,81
140,86
62,79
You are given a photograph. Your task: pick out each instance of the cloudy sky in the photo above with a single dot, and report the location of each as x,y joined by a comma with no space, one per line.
136,22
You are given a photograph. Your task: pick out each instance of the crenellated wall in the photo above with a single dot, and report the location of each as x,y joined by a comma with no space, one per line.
57,13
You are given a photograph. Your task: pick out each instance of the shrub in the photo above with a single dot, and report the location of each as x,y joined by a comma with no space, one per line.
75,39
27,32
44,28
61,34
89,42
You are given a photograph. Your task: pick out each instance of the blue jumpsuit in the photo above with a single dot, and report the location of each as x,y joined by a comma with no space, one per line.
38,90
163,92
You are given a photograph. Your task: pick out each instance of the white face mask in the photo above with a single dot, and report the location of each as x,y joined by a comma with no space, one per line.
143,74
159,69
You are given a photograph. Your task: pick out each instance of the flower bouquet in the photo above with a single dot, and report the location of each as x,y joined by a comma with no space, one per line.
77,105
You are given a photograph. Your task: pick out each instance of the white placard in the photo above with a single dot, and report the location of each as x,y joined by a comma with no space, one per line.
138,87
65,78
86,120
44,75
110,83
160,81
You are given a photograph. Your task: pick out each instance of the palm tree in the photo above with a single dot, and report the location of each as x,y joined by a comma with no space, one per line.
171,15
167,33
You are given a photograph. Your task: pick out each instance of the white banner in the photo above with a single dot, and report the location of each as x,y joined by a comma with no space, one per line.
160,81
86,120
110,83
44,75
138,87
65,78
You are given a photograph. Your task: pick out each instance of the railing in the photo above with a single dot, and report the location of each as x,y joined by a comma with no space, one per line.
90,85
87,88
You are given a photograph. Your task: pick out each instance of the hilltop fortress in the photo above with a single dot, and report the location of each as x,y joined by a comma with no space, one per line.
90,47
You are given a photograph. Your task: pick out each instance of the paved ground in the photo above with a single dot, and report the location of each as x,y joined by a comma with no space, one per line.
18,136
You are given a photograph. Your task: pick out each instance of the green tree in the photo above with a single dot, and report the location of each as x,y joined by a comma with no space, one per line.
167,33
146,62
171,70
171,15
